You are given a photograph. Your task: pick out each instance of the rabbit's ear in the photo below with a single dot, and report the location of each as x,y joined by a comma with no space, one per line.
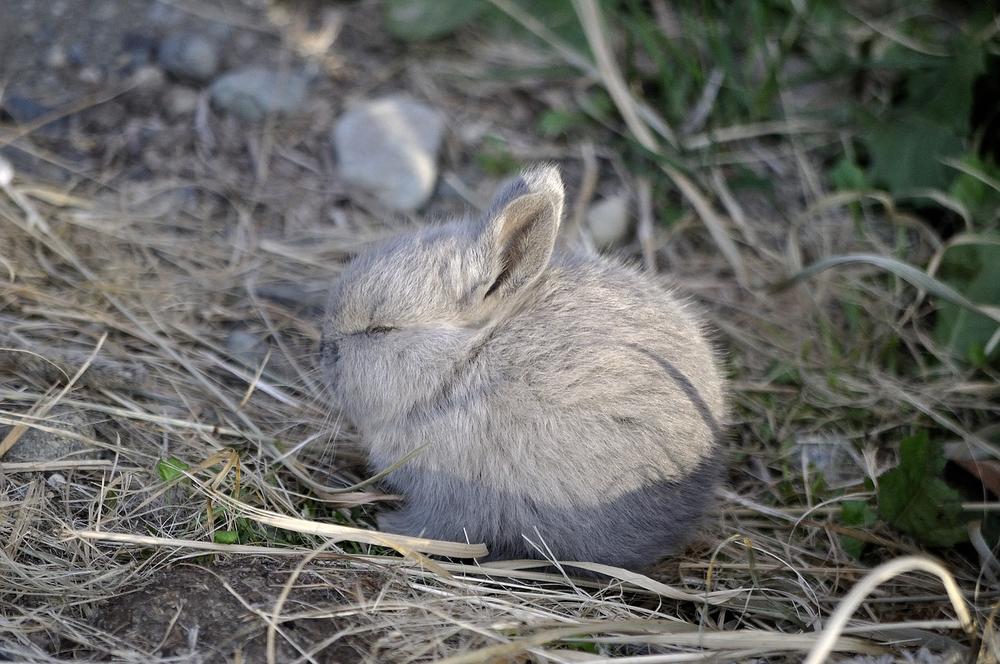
521,226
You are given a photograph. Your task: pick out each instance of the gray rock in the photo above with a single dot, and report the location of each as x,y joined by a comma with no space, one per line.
76,54
23,110
246,346
105,117
608,220
254,92
56,57
147,78
90,74
390,147
179,100
830,455
6,172
139,49
37,445
148,82
189,56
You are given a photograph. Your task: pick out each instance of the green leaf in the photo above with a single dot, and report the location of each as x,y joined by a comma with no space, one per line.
930,124
943,91
848,176
170,469
976,193
973,269
913,497
557,123
428,19
225,537
495,158
855,514
906,153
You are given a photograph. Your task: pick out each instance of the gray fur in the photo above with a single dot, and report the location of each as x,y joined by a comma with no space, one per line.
563,398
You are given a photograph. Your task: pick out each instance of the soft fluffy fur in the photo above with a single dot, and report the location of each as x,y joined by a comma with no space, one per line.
564,399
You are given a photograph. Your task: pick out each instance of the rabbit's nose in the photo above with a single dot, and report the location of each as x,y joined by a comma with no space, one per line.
329,352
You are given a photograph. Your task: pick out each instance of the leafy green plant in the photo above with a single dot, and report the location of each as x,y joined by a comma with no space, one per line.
913,498
495,158
977,187
422,19
909,141
226,537
559,122
974,269
856,514
171,469
848,176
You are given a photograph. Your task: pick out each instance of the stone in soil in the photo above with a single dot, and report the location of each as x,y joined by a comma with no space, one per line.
255,92
38,445
389,147
105,117
56,57
608,221
6,172
138,50
179,100
24,110
189,56
147,84
246,346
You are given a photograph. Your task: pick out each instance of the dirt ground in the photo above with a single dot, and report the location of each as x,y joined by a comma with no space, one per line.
211,612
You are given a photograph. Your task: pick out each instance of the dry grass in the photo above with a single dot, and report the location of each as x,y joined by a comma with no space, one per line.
122,313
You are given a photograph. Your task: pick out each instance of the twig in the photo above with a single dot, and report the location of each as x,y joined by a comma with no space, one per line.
644,229
587,186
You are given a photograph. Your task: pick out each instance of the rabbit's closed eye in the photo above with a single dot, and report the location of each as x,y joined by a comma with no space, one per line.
379,329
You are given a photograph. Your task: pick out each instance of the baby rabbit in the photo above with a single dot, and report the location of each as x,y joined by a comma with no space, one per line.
564,405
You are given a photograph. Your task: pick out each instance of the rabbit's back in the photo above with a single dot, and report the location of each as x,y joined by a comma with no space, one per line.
599,336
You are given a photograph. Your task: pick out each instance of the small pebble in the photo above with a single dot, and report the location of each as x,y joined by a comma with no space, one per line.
179,101
189,56
75,54
246,346
253,93
105,117
90,74
138,49
23,110
6,172
56,58
146,85
608,220
147,78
